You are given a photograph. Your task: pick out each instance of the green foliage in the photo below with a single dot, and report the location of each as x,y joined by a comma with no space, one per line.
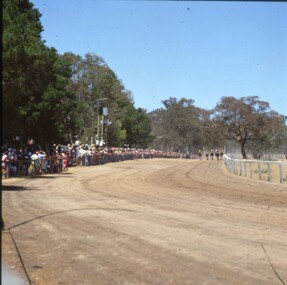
35,98
138,127
117,134
180,126
248,121
22,50
93,82
52,98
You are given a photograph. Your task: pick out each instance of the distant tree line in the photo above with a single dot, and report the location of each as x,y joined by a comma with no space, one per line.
53,98
180,126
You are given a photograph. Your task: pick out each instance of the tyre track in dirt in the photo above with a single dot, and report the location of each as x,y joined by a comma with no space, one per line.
158,221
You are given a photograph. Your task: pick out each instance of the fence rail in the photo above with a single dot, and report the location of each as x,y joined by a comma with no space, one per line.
272,171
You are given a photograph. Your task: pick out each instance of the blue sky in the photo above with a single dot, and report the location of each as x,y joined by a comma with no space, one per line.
193,49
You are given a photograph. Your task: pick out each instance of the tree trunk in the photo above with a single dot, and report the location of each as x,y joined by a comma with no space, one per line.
243,152
70,137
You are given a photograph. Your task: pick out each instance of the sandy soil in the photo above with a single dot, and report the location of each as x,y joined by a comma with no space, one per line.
158,221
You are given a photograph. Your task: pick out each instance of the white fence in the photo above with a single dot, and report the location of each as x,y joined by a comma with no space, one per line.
275,171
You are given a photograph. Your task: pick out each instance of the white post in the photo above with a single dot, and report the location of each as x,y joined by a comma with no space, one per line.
281,173
259,170
269,172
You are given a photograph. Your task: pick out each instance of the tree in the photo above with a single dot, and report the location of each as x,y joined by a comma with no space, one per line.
161,136
34,78
117,134
92,80
247,120
138,127
179,126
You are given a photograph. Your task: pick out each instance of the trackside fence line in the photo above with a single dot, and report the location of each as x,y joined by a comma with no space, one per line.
272,171
20,168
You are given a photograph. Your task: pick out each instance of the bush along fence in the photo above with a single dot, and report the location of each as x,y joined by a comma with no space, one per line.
272,171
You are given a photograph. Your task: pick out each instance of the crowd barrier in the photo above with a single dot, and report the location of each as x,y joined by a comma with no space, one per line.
272,171
20,168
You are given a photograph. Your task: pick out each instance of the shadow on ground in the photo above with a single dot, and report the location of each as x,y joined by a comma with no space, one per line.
17,188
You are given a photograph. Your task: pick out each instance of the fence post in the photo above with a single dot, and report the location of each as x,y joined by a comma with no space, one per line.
259,170
245,173
281,173
235,166
269,172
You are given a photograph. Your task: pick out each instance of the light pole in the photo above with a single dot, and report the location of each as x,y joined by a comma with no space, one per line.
106,124
101,119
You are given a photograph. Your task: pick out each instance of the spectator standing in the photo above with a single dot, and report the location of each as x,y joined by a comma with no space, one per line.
217,154
65,161
221,154
4,165
211,154
199,154
42,163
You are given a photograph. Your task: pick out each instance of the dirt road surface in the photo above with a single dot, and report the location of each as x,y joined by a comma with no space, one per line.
157,221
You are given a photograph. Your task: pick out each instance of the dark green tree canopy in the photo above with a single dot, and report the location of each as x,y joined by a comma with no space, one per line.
138,127
34,79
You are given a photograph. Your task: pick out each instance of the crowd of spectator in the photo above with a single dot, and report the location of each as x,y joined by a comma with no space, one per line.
32,159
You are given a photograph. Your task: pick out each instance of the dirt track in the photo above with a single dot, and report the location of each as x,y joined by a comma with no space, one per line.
146,222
